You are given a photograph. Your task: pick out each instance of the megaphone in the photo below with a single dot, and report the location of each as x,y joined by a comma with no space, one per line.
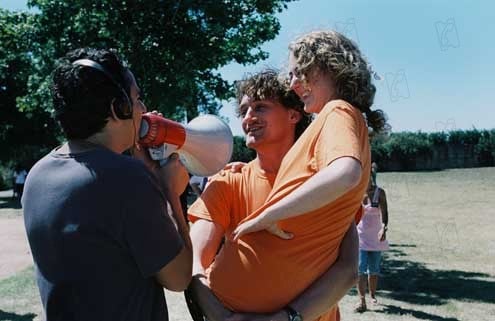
204,145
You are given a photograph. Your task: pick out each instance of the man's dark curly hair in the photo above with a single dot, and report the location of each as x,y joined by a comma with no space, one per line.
270,85
82,96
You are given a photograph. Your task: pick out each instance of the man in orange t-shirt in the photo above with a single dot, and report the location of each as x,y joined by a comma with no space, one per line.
263,273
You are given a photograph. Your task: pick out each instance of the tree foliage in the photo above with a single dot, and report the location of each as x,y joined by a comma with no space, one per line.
22,134
173,47
408,147
240,152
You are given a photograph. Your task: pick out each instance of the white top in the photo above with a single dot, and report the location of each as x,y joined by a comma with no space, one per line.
20,178
199,180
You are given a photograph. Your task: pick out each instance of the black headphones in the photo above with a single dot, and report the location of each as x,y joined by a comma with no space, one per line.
122,105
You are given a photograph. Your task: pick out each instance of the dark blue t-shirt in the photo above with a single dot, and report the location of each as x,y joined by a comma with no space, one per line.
98,232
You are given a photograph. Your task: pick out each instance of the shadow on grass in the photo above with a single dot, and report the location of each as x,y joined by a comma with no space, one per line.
414,283
9,202
420,315
16,317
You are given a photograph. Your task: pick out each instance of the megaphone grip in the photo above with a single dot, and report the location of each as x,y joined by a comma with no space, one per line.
161,130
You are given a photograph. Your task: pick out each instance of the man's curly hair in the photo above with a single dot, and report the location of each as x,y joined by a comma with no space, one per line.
270,85
332,53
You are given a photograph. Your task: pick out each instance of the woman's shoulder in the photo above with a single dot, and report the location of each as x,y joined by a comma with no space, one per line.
340,105
339,110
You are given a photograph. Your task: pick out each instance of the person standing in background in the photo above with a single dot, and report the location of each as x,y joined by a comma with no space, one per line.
372,231
20,175
198,184
374,172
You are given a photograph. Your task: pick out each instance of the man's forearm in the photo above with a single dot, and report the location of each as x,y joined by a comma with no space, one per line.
209,303
206,237
326,294
333,285
178,215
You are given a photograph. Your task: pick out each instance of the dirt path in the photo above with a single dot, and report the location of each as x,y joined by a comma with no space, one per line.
14,250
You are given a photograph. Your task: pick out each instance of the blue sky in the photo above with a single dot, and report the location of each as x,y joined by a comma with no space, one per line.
435,57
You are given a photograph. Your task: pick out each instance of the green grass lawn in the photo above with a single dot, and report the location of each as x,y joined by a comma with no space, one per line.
19,297
441,265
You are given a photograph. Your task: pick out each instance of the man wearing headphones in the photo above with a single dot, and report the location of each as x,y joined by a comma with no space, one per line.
101,239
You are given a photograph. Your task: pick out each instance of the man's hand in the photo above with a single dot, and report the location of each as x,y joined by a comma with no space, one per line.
259,223
173,176
234,167
142,153
278,316
209,303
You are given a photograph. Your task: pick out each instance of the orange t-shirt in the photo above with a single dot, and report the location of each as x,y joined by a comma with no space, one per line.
263,273
230,197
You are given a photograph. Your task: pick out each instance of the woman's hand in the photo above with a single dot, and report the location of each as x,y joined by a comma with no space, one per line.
260,223
382,235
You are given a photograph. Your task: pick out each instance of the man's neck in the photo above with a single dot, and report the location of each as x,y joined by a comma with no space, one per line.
98,140
105,140
269,159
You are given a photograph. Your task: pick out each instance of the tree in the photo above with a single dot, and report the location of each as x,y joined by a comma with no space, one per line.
23,135
485,147
173,47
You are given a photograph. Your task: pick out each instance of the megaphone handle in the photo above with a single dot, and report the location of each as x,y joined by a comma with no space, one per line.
162,151
163,162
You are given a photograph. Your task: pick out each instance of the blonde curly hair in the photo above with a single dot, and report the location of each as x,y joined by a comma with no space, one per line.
332,53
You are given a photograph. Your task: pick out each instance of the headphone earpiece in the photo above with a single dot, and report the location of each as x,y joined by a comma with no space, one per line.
122,104
122,107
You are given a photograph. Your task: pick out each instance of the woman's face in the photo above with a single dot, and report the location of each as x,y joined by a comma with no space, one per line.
315,90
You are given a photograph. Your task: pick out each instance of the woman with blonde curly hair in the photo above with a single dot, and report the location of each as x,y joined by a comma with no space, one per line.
318,191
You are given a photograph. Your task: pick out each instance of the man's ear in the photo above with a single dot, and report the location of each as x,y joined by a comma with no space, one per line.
294,116
112,110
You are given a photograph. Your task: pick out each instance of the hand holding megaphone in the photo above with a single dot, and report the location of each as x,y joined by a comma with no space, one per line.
205,144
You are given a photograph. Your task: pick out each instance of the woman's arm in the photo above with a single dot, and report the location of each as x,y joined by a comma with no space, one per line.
383,206
382,235
324,187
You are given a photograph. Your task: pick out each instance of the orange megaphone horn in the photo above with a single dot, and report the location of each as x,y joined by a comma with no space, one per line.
205,144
